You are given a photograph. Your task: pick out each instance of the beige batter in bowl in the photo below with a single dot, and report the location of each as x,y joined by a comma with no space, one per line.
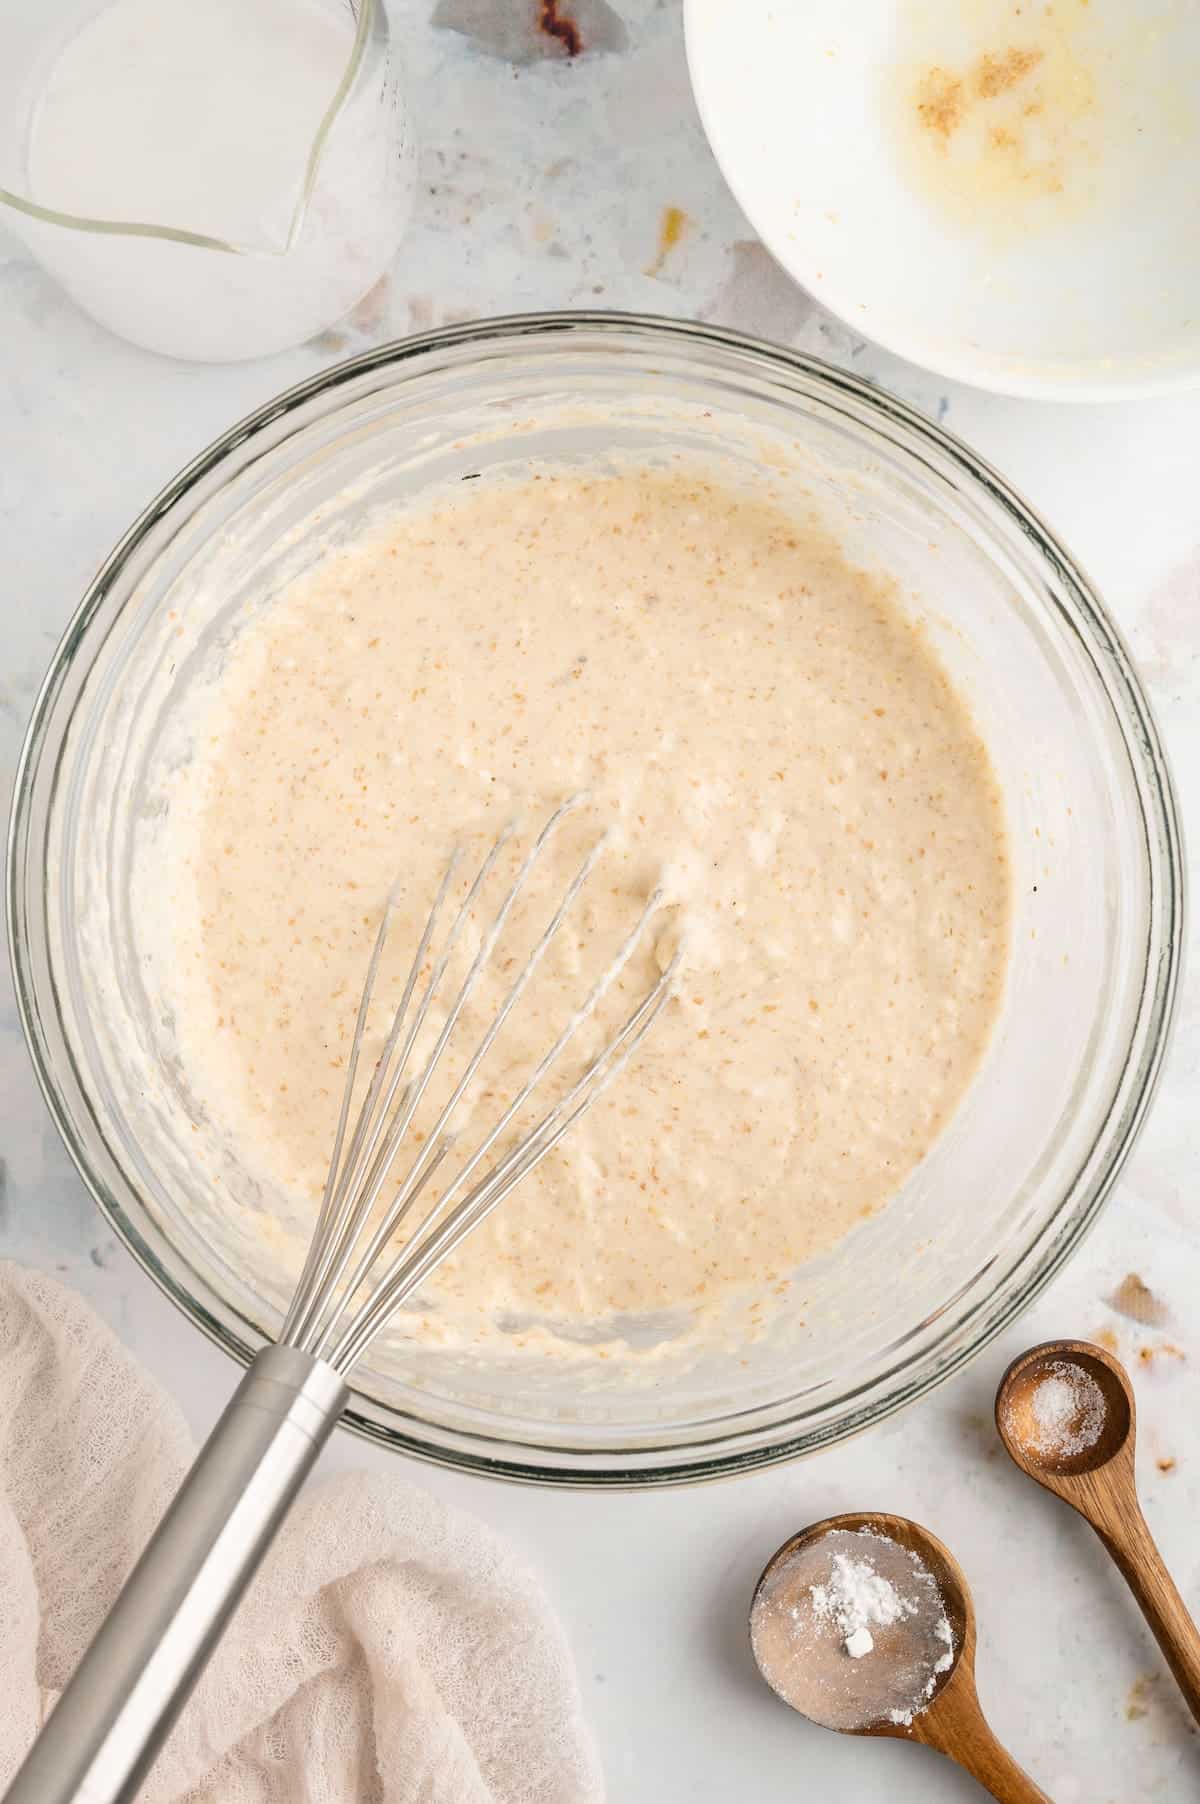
1003,1195
751,731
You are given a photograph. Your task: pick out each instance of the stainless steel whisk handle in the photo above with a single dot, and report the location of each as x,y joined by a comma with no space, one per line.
111,1720
131,1684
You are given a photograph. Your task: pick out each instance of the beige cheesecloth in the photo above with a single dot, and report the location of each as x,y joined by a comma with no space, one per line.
391,1651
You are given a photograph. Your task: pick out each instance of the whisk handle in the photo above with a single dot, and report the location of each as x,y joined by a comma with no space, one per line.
113,1716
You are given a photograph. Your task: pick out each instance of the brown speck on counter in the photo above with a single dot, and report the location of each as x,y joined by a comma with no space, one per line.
528,31
1149,1357
672,226
1134,1298
1138,1701
558,25
1107,1338
1166,1465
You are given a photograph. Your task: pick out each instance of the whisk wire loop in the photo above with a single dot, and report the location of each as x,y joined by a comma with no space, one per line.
340,1303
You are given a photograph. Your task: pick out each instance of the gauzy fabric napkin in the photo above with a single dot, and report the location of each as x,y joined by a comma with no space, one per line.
391,1650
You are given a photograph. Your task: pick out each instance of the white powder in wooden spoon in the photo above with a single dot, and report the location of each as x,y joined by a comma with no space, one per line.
852,1629
857,1597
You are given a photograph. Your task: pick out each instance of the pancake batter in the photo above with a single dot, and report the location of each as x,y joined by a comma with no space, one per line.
769,739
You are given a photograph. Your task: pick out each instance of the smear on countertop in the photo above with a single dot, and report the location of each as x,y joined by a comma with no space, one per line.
1166,635
1140,1692
1134,1298
672,226
759,296
371,311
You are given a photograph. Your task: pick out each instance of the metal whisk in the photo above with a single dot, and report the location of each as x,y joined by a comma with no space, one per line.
131,1684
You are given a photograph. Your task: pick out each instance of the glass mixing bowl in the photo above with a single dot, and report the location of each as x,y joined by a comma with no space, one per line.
1008,1191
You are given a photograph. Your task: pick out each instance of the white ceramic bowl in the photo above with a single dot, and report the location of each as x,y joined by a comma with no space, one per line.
1001,190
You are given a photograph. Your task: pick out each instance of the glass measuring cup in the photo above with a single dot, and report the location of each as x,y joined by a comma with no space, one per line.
213,179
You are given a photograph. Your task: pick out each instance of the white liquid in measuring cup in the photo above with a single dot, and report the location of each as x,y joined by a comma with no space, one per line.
200,116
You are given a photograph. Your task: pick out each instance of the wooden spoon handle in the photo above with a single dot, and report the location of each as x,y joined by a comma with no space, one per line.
1135,1551
964,1735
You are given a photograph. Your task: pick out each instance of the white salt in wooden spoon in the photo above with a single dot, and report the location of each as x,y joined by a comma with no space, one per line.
1065,1413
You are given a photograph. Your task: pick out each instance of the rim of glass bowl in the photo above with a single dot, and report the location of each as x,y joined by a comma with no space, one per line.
982,1307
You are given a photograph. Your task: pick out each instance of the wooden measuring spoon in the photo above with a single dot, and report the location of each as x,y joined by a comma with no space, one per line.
1086,1458
911,1684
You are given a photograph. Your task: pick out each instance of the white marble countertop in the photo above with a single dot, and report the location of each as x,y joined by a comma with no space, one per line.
545,182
